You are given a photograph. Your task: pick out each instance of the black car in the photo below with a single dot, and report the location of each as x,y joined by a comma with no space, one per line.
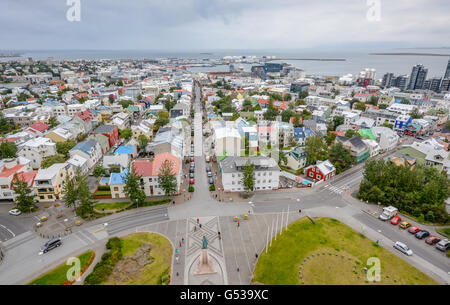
51,244
422,234
191,170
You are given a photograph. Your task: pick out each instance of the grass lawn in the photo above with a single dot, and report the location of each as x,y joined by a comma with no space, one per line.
340,254
58,275
444,231
161,252
112,205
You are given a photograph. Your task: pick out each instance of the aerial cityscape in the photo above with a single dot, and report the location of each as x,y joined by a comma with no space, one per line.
223,164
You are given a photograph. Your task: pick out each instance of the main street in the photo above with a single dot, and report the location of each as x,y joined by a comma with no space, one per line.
238,247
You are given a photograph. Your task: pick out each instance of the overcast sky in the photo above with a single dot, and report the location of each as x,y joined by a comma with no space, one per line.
222,24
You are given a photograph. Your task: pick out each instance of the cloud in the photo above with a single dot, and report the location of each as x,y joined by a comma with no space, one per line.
219,24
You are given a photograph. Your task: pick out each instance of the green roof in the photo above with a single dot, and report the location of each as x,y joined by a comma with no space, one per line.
420,157
366,133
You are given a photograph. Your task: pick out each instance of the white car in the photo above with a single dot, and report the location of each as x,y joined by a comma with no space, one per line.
403,248
15,212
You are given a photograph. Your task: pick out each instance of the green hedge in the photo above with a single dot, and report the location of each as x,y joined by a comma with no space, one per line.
104,188
103,193
105,267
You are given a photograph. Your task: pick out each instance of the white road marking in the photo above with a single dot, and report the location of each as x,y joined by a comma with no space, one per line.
11,232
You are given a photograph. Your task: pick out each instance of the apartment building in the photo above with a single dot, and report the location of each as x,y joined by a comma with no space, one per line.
49,182
36,150
267,173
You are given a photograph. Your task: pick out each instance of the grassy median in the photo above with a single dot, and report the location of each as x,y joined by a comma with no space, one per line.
58,276
329,252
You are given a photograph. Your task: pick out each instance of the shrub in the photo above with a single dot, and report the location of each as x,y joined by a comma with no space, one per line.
191,189
429,216
104,268
104,188
212,188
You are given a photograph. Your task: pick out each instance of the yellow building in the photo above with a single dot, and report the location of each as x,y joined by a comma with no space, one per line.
49,182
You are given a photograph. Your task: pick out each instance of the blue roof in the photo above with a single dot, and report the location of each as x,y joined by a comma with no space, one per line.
212,115
303,132
124,150
118,178
85,146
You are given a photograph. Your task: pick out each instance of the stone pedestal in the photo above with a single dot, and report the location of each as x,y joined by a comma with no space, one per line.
204,264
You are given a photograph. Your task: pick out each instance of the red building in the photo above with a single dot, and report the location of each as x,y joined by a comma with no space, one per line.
323,170
109,131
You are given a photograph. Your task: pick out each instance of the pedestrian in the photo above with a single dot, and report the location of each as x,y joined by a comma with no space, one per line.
197,220
238,223
180,243
299,211
237,269
195,228
177,274
182,240
256,255
200,225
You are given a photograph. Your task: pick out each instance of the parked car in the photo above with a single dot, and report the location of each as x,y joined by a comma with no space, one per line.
403,248
209,174
211,181
208,168
422,234
405,224
191,170
51,244
432,240
192,164
191,175
388,213
414,230
191,159
15,212
192,181
395,221
443,245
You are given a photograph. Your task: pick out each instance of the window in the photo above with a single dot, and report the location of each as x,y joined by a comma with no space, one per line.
116,188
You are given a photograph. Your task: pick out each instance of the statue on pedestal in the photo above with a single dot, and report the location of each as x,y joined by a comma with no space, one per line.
204,265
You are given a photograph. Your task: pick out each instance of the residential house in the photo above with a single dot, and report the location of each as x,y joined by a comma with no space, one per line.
109,131
49,182
88,149
296,158
321,171
36,150
357,147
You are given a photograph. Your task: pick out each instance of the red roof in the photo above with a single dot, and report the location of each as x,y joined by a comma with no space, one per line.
86,115
40,126
53,82
9,139
147,168
26,176
7,172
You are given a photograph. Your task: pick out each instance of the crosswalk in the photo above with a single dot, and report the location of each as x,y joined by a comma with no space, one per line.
334,189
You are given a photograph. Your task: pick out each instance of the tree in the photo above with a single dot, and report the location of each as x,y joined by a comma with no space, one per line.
142,141
5,126
248,176
53,122
271,112
125,133
63,148
84,195
69,192
350,133
24,200
286,115
340,157
247,105
166,178
126,103
415,114
447,125
338,120
360,106
8,150
315,148
99,171
329,139
373,100
133,187
386,124
49,161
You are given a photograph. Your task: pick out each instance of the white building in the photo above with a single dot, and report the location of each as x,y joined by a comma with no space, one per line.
37,149
267,173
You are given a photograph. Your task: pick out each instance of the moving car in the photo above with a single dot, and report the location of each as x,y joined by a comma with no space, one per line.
51,244
432,240
403,248
395,221
192,181
414,230
422,234
405,224
15,212
443,245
